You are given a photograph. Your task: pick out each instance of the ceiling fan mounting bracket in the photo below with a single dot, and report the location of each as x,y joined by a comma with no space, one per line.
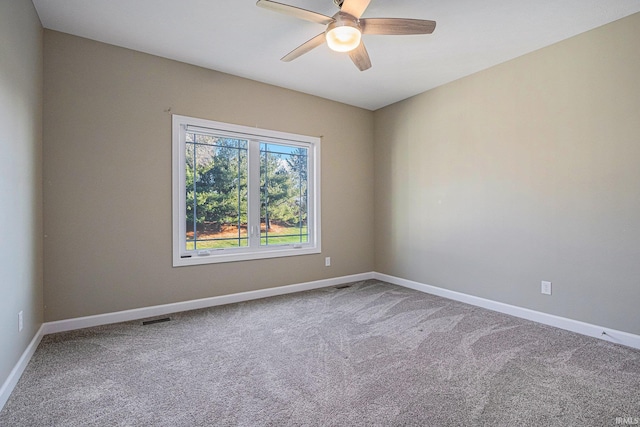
338,3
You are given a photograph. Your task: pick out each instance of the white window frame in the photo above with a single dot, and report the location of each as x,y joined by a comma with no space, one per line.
182,257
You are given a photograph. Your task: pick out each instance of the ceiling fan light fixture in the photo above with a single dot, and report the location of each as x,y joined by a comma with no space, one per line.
344,29
343,35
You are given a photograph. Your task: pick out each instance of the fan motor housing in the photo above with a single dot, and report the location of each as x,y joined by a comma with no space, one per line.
342,19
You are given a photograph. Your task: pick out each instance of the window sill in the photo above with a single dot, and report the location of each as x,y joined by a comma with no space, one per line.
222,256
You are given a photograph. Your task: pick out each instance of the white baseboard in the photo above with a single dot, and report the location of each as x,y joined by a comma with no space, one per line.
16,372
159,310
606,334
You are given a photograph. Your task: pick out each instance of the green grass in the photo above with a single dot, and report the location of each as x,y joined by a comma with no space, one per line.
274,239
216,244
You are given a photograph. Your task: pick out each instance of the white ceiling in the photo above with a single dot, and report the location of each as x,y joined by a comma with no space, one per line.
237,37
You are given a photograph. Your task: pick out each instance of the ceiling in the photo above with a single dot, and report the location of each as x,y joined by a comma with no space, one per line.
236,37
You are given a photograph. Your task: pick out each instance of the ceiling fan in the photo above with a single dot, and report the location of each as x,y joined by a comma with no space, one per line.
345,28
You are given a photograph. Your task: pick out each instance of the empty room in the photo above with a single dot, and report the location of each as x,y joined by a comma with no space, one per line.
319,213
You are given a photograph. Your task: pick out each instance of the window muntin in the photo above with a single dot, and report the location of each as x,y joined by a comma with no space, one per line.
243,193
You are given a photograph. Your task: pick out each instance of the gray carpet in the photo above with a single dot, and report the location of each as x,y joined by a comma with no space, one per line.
370,354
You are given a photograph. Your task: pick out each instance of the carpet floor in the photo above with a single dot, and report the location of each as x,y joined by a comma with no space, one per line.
369,354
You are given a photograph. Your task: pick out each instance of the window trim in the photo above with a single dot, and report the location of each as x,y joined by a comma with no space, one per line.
313,246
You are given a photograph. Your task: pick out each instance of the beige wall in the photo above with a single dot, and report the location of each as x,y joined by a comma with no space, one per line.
524,172
20,179
107,175
488,185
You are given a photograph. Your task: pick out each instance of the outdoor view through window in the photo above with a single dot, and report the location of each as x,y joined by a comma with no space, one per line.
217,193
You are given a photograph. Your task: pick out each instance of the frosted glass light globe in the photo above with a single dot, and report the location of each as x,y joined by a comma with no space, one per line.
343,38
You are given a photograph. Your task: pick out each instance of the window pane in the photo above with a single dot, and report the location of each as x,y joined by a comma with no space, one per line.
283,194
216,192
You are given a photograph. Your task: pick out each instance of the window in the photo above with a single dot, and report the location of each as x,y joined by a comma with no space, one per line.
242,193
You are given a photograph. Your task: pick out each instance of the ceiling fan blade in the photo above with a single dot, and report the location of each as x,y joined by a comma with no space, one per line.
304,48
360,57
355,7
396,26
296,12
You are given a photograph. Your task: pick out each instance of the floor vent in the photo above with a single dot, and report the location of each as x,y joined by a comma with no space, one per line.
343,286
151,322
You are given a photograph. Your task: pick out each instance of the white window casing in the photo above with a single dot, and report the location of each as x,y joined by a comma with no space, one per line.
253,248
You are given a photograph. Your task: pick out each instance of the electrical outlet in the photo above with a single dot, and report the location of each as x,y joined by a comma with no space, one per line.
327,261
20,321
545,287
